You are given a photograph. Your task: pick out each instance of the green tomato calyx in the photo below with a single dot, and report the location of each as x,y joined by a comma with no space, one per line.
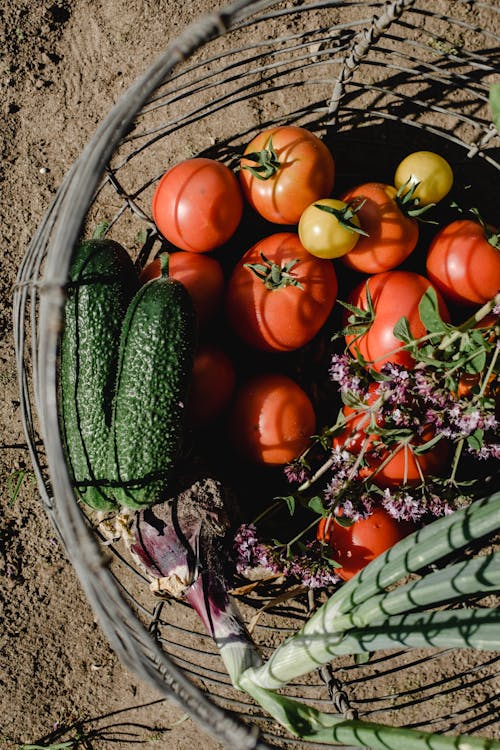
360,319
345,215
410,204
266,161
274,276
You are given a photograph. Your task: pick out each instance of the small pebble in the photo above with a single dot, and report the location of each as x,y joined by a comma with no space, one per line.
43,170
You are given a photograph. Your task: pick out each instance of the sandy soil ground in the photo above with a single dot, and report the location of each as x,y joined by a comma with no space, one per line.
64,63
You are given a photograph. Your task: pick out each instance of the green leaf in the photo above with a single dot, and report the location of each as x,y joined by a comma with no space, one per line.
290,503
429,312
494,99
344,522
402,331
358,312
428,445
477,363
316,505
476,439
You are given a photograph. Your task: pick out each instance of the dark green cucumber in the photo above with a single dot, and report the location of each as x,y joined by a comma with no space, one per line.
102,282
154,370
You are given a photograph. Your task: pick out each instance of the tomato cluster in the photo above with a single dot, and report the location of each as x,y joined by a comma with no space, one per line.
274,293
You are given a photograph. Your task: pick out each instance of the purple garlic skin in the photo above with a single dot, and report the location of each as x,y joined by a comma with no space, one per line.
177,539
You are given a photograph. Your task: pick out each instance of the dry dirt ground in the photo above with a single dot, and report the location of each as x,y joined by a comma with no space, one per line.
63,64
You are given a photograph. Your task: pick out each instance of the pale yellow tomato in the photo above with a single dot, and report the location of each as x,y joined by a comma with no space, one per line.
329,228
429,174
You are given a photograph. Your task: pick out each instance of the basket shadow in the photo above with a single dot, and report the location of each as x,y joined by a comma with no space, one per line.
96,731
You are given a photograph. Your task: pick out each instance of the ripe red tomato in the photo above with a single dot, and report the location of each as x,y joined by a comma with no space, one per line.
212,384
272,419
394,294
285,309
357,545
405,467
197,205
463,265
201,275
392,235
300,169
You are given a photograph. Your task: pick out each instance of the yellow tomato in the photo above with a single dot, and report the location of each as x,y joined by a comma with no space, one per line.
329,228
429,174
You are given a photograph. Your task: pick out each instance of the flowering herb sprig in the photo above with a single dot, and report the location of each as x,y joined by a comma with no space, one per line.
448,401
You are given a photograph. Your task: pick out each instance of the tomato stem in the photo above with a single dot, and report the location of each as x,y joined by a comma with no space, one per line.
409,204
266,162
345,215
274,276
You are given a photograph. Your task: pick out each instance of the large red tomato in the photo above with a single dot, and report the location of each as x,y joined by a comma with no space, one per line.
197,205
462,263
202,276
357,545
272,419
295,168
392,466
392,235
279,295
394,294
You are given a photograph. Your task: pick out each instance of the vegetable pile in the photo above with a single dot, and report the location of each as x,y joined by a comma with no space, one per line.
332,358
307,339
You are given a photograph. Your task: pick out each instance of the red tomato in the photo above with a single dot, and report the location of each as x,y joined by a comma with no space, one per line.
285,312
392,235
357,545
197,204
201,275
463,265
394,294
405,466
272,420
300,171
212,384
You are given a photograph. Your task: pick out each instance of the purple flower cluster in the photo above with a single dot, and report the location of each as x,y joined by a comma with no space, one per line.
414,505
296,471
419,400
348,374
309,569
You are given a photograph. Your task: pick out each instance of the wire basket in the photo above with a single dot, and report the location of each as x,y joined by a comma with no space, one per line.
375,80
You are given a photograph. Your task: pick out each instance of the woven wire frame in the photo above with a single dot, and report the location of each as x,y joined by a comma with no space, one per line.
375,80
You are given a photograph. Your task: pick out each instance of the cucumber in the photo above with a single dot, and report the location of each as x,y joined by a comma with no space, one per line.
102,282
155,362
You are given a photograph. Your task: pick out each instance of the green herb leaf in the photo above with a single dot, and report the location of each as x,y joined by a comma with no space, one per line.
428,445
343,521
402,331
429,312
476,439
290,503
316,505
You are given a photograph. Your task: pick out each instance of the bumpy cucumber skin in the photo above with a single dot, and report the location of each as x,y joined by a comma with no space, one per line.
154,370
102,282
